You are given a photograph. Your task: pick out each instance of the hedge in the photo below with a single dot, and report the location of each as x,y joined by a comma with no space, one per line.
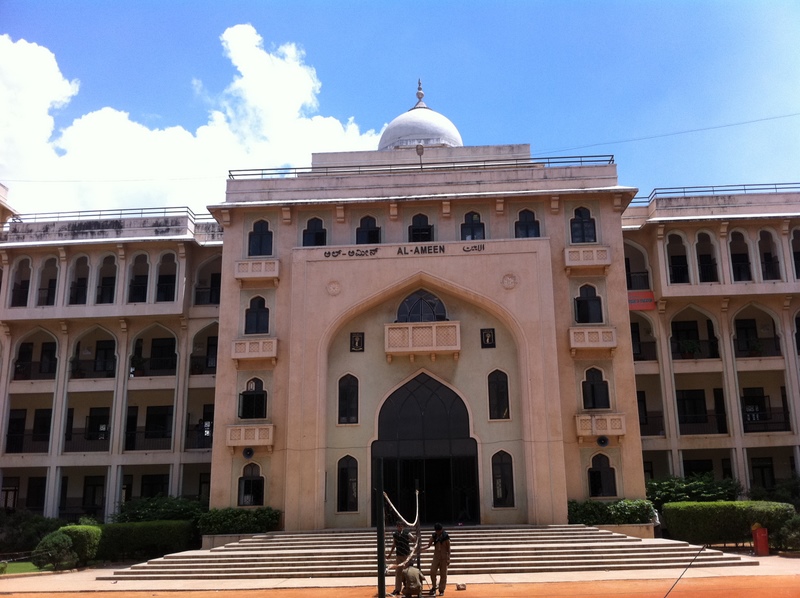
85,540
619,512
145,540
723,522
55,550
239,521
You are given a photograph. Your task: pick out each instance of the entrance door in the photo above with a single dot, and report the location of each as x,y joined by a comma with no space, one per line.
424,442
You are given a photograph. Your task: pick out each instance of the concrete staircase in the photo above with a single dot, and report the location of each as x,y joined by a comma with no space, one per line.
475,550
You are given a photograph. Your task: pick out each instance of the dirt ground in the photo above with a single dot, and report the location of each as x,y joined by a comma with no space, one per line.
772,586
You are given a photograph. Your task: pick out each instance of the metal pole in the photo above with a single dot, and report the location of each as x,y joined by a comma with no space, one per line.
381,546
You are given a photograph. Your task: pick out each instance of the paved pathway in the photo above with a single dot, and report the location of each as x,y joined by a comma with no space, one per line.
775,577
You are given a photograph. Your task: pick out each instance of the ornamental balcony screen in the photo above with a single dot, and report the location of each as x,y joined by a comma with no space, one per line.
594,257
255,348
592,337
255,269
600,424
422,338
250,435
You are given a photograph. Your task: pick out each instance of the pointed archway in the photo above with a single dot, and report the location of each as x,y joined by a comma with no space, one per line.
424,441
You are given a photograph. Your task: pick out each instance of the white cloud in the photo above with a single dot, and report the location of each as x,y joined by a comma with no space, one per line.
267,116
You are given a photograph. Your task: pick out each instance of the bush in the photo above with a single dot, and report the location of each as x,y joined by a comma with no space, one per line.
791,533
239,521
785,490
159,508
55,550
145,540
620,512
695,488
724,522
85,540
22,531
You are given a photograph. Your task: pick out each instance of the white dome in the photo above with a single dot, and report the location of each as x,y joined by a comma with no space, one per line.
420,126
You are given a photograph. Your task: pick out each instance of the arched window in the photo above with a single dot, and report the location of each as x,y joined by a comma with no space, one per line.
259,241
107,279
137,287
588,306
251,486
740,258
498,395
165,286
368,232
256,317
48,279
527,225
348,399
767,250
21,284
421,306
253,401
502,480
314,234
706,259
420,231
602,478
582,227
678,262
472,229
80,282
347,484
595,390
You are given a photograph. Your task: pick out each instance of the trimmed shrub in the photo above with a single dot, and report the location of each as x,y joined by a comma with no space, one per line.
55,550
695,488
239,521
619,512
145,540
22,531
791,533
159,508
784,490
724,522
85,540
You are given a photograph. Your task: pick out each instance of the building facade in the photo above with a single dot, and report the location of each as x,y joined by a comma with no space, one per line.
502,332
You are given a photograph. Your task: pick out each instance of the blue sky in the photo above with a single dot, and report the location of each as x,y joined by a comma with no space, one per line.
148,103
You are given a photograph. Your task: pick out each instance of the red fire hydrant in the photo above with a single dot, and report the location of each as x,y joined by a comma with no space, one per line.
760,540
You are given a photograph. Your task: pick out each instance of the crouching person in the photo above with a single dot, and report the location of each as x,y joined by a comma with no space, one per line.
412,581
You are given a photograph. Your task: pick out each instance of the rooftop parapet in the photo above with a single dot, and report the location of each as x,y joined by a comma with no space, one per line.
111,225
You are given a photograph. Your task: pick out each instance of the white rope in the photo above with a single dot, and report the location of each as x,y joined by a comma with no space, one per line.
415,525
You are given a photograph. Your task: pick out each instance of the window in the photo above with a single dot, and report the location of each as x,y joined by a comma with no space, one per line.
108,280
420,231
347,485
502,480
602,478
97,424
368,232
348,399
582,227
162,354
21,284
706,262
595,390
137,289
37,487
48,362
527,226
165,286
588,306
472,229
94,487
253,401
78,290
740,258
158,423
41,424
104,358
47,283
692,467
421,306
691,406
256,317
259,241
314,234
746,336
498,395
155,485
251,486
763,472
678,263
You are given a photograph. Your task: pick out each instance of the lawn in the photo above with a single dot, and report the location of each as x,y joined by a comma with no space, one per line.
22,567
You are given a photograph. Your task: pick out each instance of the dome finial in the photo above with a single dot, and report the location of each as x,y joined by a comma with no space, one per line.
420,93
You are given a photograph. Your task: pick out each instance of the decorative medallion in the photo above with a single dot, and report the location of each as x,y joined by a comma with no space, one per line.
333,288
510,281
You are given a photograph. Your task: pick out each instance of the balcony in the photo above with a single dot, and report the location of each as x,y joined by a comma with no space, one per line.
651,424
153,366
27,442
93,368
587,258
758,347
600,424
258,270
422,338
202,365
757,420
148,440
592,337
695,349
199,436
250,435
255,348
703,423
35,370
645,351
87,441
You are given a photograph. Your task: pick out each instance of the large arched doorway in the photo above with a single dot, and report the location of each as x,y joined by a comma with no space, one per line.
423,441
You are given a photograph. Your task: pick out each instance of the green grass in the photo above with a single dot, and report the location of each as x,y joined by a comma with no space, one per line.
22,567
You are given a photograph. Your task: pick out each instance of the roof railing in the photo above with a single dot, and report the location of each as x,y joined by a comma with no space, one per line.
289,172
165,212
667,192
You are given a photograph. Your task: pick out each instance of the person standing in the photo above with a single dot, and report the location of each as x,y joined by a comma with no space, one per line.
401,544
440,541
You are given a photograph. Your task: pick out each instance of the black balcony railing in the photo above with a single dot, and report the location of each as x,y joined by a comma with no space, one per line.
105,293
638,281
27,442
741,272
709,423
46,296
148,440
153,366
206,296
644,351
35,370
137,292
764,346
93,368
692,349
708,273
679,273
200,436
771,270
19,296
651,424
81,440
765,420
202,364
77,294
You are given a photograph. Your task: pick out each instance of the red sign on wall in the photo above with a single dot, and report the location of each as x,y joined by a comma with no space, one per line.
641,300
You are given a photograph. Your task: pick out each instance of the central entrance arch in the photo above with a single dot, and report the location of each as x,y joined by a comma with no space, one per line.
423,441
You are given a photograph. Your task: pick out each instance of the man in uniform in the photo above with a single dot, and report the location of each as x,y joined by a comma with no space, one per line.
440,541
412,581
